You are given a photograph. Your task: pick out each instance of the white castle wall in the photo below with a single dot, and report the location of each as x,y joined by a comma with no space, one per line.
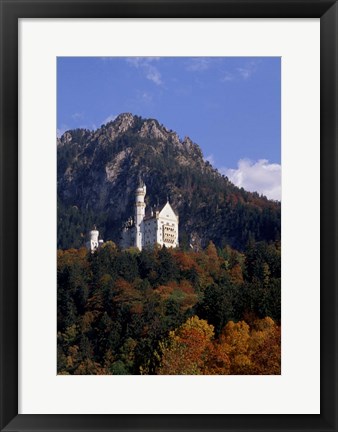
160,228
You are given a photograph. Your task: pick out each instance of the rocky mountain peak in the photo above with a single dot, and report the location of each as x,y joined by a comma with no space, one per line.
66,138
191,147
188,143
124,121
152,129
98,173
120,125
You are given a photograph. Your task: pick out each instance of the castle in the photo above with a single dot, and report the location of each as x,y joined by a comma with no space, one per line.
94,243
159,226
148,228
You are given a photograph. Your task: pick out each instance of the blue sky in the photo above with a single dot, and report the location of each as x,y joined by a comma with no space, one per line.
230,106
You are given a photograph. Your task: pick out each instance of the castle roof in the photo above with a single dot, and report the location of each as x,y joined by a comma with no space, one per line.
157,209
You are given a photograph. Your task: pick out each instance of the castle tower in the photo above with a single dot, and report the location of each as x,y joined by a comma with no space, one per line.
158,227
140,208
93,243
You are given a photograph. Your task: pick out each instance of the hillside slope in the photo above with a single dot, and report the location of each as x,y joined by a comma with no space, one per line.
98,172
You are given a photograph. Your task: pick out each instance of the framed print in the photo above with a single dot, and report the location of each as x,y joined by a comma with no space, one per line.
168,215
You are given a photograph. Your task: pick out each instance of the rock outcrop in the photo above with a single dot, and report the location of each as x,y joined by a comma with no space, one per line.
98,172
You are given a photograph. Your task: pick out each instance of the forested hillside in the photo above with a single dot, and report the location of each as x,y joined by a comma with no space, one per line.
170,311
98,172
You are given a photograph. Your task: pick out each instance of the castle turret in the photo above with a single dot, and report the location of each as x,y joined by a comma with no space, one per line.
94,241
140,209
158,227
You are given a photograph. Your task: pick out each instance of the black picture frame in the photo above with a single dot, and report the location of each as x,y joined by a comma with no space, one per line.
11,11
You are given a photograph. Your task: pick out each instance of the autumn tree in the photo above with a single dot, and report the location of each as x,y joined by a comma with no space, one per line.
169,311
184,352
255,350
265,347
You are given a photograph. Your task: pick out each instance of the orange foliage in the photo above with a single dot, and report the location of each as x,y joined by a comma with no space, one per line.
218,361
240,350
185,260
87,320
137,308
265,347
89,367
71,256
190,351
254,351
236,274
165,291
183,353
186,287
126,292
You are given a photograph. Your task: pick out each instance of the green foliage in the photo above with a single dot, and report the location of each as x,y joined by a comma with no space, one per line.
116,308
217,305
207,203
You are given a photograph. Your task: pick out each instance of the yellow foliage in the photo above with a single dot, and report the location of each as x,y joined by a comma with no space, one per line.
70,334
187,348
254,351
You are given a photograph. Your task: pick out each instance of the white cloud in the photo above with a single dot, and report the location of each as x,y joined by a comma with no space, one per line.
241,73
110,118
248,70
88,126
198,64
77,116
145,97
227,77
61,130
153,75
260,176
139,61
145,64
210,159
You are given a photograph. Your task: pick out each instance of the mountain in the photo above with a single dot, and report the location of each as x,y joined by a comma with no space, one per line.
98,172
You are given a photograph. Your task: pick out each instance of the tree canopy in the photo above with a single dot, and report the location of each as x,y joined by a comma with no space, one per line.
169,311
